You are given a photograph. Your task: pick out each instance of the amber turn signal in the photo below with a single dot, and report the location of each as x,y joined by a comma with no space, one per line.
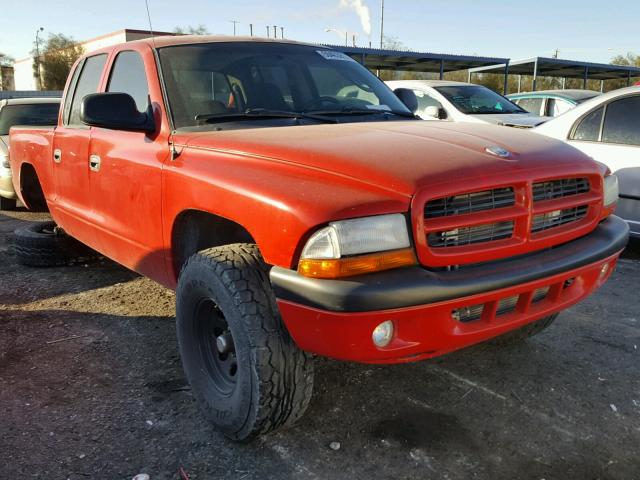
350,266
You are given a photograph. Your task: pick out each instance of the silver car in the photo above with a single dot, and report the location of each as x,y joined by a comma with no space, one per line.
20,111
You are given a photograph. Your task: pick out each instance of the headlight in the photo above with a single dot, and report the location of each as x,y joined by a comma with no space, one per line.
352,247
611,190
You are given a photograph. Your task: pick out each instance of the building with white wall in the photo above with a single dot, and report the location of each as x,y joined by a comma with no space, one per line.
23,71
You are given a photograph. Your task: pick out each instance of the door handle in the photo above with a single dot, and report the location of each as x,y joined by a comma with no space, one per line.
57,155
94,163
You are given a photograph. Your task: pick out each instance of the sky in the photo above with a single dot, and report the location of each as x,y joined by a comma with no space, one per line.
589,30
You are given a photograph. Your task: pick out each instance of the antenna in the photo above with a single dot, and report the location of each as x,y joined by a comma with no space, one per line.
153,38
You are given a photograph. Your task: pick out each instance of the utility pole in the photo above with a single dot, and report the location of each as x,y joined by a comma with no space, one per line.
275,32
251,29
41,29
555,53
268,30
382,27
282,32
235,22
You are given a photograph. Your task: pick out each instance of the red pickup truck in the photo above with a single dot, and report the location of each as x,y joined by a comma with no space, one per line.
298,207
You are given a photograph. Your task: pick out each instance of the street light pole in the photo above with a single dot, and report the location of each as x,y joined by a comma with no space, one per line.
38,57
382,27
235,22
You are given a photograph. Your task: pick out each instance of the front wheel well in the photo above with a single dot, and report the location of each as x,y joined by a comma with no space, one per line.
195,230
31,189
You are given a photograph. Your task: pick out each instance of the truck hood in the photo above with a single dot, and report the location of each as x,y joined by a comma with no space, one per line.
522,120
396,155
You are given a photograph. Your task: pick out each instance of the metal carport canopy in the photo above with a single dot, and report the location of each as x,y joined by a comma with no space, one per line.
556,67
382,59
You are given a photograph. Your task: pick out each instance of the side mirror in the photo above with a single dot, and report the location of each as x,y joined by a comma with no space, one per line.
117,111
408,97
436,112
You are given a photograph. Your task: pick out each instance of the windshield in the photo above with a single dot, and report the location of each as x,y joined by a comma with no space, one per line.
478,100
28,114
214,82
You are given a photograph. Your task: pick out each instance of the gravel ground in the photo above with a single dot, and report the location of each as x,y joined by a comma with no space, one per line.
91,387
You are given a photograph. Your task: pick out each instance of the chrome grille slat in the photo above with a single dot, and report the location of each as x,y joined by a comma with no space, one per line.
565,187
557,218
470,235
470,203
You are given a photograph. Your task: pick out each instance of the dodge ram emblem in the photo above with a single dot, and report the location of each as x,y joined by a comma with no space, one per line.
498,151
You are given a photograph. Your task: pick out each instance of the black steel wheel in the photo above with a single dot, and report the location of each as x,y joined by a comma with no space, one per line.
243,366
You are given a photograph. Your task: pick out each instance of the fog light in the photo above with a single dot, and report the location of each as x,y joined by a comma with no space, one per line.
383,334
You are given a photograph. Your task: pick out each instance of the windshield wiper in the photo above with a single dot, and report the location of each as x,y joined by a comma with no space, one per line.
355,111
262,113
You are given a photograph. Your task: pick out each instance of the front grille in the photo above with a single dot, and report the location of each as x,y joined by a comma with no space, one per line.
470,203
497,222
470,235
557,218
565,187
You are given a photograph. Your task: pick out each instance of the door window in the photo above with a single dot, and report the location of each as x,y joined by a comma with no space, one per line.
532,105
588,128
88,83
557,106
128,76
622,122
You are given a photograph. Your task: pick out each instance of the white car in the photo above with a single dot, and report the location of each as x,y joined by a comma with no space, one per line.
466,102
607,128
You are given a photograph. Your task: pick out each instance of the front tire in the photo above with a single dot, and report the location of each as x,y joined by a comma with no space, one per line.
242,364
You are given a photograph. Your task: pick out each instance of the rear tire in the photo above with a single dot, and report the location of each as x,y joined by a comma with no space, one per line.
243,366
8,204
44,244
523,333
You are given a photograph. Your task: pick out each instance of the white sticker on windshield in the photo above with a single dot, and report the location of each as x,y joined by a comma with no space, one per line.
385,108
332,55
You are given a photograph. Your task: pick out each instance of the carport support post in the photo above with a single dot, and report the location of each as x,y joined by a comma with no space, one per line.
441,69
586,77
469,76
535,75
519,83
628,78
506,78
564,83
601,86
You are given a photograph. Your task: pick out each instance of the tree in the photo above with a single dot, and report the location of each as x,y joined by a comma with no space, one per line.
57,56
5,60
191,30
630,59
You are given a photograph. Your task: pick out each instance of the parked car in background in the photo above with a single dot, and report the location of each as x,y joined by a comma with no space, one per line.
466,102
608,129
551,103
20,111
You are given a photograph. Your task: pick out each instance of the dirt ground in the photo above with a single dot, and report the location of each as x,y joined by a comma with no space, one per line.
91,387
